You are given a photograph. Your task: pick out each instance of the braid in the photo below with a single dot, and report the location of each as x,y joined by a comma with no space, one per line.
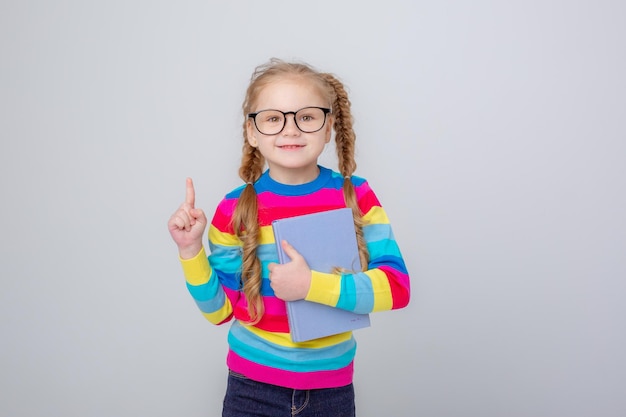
246,226
344,134
345,139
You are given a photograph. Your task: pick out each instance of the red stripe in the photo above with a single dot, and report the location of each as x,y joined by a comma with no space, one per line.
222,221
400,287
268,322
368,200
274,319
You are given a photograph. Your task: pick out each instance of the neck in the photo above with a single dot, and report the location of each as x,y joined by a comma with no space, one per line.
294,176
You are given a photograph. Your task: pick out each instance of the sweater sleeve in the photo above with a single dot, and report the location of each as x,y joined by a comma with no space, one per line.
204,287
384,285
213,281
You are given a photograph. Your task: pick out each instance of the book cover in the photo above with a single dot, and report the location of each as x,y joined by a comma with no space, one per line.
327,241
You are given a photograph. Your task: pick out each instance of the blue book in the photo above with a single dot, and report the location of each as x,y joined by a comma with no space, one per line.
327,241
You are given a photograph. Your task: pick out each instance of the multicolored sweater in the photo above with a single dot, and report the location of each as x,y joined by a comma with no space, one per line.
264,351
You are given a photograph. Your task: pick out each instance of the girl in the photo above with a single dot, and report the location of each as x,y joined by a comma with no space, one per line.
289,113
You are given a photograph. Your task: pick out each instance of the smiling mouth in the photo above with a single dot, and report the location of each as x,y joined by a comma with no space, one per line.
291,147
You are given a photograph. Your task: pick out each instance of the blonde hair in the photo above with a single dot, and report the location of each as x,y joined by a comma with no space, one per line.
245,217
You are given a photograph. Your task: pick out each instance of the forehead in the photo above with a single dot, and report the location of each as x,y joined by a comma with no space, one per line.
289,94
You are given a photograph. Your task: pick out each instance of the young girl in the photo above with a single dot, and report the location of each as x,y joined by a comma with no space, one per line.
289,113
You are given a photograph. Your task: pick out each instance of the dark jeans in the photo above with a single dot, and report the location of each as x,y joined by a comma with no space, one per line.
245,397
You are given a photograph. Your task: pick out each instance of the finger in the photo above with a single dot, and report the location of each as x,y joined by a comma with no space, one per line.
197,214
177,223
190,197
289,250
183,220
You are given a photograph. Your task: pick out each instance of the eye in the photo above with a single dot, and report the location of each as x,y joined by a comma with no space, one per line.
307,116
271,117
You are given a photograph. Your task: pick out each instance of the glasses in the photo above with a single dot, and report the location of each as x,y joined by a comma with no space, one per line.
272,122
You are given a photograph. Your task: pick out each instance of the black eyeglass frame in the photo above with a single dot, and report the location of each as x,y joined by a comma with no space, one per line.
326,111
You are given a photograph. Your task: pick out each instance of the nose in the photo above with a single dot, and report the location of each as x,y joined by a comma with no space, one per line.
290,125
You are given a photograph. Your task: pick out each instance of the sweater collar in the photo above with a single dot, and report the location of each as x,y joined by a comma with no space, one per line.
266,183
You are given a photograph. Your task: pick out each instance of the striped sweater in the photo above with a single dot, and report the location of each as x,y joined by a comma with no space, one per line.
265,352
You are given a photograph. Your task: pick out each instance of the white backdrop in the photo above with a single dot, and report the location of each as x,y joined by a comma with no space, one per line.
493,133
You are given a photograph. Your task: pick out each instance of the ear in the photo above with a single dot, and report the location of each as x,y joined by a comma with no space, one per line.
251,134
329,127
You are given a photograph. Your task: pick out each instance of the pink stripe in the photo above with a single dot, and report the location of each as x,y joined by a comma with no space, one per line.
275,306
295,380
362,189
328,195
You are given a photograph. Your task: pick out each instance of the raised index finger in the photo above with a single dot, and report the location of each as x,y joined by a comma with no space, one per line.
190,196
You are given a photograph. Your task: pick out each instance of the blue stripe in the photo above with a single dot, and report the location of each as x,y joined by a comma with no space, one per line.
365,293
230,281
378,231
226,262
235,193
258,350
206,291
384,248
267,254
266,290
209,297
225,258
356,180
361,299
347,296
394,262
212,305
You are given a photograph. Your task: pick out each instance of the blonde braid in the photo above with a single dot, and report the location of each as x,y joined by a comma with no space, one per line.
246,226
345,139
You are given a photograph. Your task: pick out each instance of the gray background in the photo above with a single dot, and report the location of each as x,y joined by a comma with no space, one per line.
493,133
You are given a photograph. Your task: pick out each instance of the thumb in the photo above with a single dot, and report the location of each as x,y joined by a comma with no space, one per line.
290,250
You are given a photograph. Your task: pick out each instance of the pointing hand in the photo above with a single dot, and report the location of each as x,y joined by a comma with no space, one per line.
187,225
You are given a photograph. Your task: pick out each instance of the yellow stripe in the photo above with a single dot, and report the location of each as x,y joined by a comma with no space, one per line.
325,288
376,215
197,270
381,289
284,339
219,315
266,235
221,238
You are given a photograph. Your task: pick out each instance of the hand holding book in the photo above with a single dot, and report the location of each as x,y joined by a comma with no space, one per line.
290,281
326,241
